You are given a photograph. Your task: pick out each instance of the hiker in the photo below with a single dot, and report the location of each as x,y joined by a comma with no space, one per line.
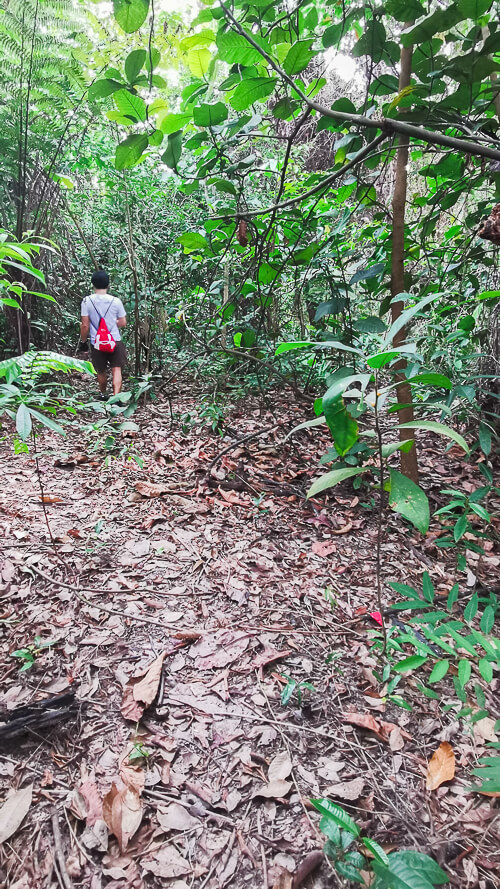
103,315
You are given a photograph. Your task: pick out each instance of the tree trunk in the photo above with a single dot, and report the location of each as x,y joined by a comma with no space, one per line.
409,465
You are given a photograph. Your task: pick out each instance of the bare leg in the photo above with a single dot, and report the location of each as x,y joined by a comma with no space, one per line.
102,379
116,373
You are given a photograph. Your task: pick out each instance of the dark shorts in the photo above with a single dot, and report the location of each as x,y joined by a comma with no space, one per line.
103,360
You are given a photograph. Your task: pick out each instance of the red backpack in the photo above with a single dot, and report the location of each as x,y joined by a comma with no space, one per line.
104,341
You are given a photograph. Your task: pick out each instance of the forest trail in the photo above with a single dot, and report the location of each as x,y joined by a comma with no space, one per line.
245,586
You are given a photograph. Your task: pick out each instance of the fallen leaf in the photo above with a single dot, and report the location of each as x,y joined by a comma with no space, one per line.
14,811
268,656
51,498
273,790
86,803
224,646
306,867
324,547
349,790
175,817
441,766
167,862
148,489
279,767
122,812
377,617
396,740
377,726
141,690
484,730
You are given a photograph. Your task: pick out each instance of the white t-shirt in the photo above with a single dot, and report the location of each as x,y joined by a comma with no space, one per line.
103,305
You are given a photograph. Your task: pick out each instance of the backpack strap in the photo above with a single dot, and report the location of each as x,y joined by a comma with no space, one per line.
101,317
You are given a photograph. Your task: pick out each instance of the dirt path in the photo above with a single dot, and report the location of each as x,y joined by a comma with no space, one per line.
246,587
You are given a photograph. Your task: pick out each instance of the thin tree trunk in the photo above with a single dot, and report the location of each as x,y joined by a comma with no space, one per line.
409,464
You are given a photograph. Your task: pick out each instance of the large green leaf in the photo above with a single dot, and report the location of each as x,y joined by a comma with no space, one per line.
405,10
253,89
130,14
343,427
236,50
330,479
440,428
130,104
193,241
102,88
337,814
198,60
298,57
406,314
173,151
133,63
130,151
172,123
409,500
372,41
23,422
210,115
409,870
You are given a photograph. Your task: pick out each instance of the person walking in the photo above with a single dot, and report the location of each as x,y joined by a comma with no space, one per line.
103,316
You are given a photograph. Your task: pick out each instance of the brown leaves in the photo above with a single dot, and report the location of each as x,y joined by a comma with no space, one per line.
386,731
441,766
279,769
122,812
141,690
148,489
14,811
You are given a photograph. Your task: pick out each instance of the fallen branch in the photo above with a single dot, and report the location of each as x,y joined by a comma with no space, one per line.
61,862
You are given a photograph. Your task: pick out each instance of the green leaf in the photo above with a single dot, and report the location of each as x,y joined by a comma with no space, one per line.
409,500
410,870
193,241
155,138
471,608
439,428
372,271
23,422
485,439
153,55
404,10
298,57
130,14
172,123
102,88
130,151
285,108
235,49
288,347
343,427
129,104
253,89
431,379
372,41
198,60
488,619
330,479
464,671
330,829
410,663
439,671
172,155
337,813
376,850
406,315
427,588
210,115
460,528
486,669
348,871
133,63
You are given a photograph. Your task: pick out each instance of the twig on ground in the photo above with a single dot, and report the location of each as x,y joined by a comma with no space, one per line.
65,877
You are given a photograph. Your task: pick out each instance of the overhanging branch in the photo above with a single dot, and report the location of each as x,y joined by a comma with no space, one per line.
387,124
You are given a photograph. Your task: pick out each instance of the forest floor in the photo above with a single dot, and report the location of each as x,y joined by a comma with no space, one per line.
180,601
